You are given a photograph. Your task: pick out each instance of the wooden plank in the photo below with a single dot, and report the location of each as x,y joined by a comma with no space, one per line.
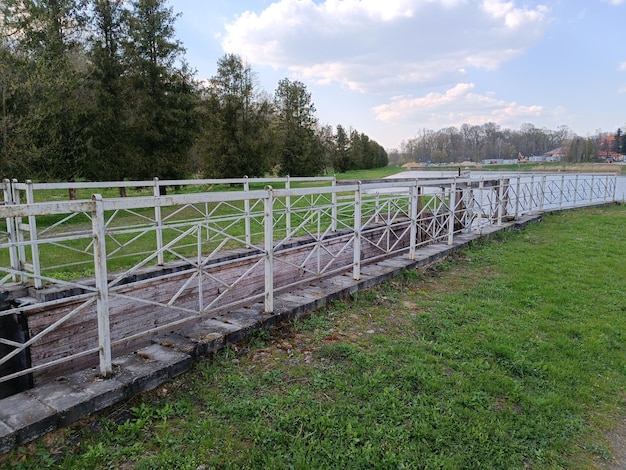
129,317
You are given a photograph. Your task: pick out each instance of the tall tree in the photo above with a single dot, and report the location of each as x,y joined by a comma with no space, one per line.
326,140
108,132
341,160
237,122
357,151
163,122
382,157
11,112
46,34
298,149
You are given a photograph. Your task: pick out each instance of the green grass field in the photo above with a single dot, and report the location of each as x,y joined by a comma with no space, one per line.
511,354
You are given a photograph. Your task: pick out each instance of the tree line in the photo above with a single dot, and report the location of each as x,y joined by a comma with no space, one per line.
100,90
476,143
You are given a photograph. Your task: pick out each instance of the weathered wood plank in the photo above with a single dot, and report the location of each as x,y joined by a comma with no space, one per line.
229,280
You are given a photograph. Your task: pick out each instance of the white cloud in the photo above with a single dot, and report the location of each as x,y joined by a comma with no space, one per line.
622,67
387,46
454,107
513,17
614,2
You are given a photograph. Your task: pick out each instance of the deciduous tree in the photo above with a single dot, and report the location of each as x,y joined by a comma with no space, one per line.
54,91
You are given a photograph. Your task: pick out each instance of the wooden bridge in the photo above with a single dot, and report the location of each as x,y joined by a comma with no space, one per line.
88,282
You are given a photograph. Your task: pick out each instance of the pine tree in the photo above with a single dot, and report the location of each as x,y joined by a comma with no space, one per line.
237,132
298,149
108,132
341,159
163,99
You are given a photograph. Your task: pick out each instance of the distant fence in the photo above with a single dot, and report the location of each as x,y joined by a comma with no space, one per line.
80,280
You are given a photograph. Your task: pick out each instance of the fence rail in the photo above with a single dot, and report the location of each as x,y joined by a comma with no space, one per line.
100,264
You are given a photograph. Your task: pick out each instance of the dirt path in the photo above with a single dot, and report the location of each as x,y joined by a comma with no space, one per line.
617,438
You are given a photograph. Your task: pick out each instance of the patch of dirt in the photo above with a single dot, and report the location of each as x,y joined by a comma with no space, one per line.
617,439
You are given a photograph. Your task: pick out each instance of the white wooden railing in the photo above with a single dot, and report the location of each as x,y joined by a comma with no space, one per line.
91,250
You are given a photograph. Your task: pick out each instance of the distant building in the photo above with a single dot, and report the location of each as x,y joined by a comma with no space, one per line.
607,150
500,161
555,155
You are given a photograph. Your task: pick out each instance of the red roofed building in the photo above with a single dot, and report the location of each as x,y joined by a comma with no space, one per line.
606,149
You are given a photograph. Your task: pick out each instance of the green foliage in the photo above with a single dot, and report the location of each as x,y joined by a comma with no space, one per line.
56,99
299,153
341,155
12,106
163,119
237,139
357,151
108,144
99,89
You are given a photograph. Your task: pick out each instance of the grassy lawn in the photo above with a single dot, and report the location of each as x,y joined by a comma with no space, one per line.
511,354
375,173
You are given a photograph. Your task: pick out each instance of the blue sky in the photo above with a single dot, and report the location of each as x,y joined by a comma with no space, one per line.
392,68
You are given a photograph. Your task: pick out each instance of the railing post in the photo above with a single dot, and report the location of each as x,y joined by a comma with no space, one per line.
377,208
333,223
531,205
19,233
102,285
268,224
413,236
356,262
575,190
518,185
200,268
288,208
562,192
246,210
32,230
12,232
501,201
451,216
543,193
158,222
468,207
591,189
481,188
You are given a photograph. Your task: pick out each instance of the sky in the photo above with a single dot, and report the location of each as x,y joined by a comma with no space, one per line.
392,68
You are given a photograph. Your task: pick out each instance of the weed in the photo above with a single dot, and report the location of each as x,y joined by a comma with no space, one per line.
336,351
259,338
